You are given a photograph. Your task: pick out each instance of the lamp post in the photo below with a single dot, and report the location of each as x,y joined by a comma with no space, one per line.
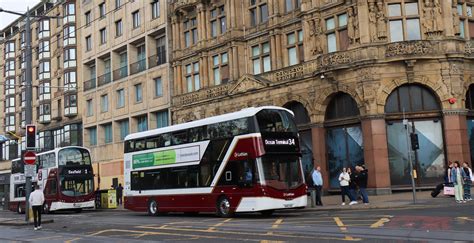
28,85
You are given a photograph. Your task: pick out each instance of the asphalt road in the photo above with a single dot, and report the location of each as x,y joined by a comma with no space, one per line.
453,222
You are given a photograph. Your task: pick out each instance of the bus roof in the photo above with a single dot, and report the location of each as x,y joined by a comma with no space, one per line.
246,112
55,150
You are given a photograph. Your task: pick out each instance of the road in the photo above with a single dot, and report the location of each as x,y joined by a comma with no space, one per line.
415,223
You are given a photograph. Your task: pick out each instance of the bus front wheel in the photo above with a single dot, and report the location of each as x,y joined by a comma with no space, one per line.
153,208
223,207
19,210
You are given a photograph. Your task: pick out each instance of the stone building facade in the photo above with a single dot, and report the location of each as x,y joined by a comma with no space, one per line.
56,107
126,79
350,70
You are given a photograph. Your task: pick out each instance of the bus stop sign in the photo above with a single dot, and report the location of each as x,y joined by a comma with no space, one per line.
30,158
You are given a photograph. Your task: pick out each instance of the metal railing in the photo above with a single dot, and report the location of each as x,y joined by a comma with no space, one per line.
104,79
120,73
137,67
157,60
89,84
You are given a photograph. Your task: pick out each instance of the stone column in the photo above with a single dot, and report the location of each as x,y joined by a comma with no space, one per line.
376,154
318,133
455,134
363,18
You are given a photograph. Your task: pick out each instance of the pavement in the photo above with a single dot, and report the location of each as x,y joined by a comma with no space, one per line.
331,203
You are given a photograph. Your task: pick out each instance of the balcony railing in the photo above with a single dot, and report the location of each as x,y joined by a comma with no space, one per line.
89,84
104,79
137,67
156,60
120,73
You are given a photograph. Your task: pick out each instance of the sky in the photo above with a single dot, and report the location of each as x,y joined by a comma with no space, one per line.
14,5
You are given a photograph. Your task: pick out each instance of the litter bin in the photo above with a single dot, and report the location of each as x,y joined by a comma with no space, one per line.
108,198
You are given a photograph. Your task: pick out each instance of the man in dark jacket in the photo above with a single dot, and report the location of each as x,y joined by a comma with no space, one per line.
362,183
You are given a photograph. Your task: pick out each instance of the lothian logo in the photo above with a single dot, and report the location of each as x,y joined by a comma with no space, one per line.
241,154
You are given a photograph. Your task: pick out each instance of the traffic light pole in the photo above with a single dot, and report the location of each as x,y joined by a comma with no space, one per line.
28,100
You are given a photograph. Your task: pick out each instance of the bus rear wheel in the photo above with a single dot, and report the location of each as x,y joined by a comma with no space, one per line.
223,207
153,208
46,208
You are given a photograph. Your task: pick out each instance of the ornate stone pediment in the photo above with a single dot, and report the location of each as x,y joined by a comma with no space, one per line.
248,83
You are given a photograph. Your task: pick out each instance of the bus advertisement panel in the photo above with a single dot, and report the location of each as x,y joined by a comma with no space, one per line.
246,161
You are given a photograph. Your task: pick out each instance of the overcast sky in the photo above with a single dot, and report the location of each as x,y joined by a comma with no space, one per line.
14,5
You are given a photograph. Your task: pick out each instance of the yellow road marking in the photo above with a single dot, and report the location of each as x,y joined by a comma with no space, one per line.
213,228
340,224
71,240
380,223
343,229
277,223
271,241
465,218
252,234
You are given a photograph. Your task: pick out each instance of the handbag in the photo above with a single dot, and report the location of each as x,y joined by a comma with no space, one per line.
448,190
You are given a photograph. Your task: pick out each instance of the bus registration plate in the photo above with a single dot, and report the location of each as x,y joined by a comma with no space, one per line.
288,205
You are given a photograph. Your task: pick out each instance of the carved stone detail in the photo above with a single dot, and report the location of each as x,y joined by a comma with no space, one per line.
409,48
248,83
433,18
316,33
353,26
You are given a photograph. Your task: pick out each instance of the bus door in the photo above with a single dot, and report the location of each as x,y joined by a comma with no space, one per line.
51,189
239,177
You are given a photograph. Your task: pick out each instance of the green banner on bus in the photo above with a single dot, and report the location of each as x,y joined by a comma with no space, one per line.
154,159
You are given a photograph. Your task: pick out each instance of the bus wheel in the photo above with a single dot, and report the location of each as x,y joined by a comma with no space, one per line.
153,208
223,207
267,213
45,208
19,210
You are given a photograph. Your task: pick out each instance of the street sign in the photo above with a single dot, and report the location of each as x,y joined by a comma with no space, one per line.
29,158
30,171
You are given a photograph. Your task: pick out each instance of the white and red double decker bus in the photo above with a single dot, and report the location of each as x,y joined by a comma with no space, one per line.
64,174
246,161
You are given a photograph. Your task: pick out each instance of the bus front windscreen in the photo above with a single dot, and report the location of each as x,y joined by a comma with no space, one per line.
74,187
74,157
282,172
281,121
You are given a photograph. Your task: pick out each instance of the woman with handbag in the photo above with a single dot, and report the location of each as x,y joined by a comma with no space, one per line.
457,177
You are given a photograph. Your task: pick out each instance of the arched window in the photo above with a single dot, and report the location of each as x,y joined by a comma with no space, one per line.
411,98
341,106
470,98
301,115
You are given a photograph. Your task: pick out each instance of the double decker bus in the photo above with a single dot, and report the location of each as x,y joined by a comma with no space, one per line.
246,161
64,174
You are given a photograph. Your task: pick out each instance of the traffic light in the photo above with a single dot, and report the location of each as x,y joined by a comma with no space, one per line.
414,141
30,136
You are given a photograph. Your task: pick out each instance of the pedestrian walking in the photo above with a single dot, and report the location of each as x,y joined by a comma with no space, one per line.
119,190
457,175
352,186
344,179
318,184
36,201
467,181
362,183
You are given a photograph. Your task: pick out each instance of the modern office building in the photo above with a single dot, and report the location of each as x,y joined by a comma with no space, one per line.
125,74
350,70
56,108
